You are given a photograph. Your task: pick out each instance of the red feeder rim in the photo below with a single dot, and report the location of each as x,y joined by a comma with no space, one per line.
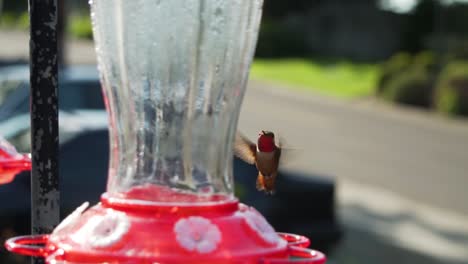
35,246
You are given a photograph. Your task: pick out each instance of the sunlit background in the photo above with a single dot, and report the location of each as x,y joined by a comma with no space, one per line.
371,96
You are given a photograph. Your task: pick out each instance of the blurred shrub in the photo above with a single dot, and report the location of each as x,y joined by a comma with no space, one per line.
412,87
8,19
426,60
407,79
12,20
23,21
79,26
395,65
451,92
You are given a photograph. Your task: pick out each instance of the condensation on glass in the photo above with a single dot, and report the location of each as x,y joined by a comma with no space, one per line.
174,74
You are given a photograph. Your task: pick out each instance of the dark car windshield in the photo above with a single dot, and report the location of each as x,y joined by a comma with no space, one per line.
81,95
7,88
72,96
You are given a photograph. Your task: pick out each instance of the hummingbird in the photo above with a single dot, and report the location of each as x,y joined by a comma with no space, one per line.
265,155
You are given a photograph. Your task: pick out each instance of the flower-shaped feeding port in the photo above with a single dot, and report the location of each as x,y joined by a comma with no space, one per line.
11,162
71,219
101,231
197,234
260,227
174,73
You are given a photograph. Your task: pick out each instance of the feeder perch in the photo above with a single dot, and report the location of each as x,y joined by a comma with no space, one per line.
11,162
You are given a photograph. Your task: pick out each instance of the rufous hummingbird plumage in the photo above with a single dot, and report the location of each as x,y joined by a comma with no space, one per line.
265,155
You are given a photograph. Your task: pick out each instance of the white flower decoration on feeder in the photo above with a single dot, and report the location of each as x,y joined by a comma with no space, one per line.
106,230
196,233
72,218
110,229
259,224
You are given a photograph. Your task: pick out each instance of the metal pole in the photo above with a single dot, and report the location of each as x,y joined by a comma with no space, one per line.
45,194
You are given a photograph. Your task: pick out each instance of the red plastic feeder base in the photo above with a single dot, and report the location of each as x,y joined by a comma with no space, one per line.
118,230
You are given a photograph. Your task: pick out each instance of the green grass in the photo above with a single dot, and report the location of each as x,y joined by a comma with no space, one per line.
340,79
78,26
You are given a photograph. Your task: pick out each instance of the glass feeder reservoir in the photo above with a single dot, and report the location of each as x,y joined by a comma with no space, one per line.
174,73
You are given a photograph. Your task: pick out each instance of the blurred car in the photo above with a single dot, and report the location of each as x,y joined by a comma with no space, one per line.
302,204
79,88
83,144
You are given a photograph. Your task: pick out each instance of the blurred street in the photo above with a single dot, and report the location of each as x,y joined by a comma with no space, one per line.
402,174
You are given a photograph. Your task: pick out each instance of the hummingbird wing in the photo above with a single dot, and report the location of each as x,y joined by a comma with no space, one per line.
287,153
245,149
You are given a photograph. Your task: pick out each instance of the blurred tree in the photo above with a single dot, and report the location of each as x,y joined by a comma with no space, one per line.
15,6
327,28
451,92
421,23
409,79
454,19
276,9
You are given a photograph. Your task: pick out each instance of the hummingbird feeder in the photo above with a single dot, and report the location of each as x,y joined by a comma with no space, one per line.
174,73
